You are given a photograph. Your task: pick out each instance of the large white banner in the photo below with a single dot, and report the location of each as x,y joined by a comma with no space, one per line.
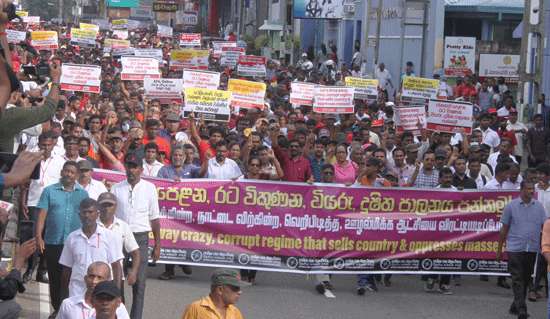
460,56
497,65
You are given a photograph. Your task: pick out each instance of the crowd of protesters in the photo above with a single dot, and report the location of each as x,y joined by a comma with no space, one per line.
120,129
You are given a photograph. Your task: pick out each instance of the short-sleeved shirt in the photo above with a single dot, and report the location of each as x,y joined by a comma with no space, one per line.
205,147
187,171
80,252
295,170
95,188
229,169
76,307
525,221
137,205
205,309
345,174
424,180
62,209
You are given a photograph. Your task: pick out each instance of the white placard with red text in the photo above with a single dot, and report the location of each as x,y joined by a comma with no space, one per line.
163,88
190,40
165,31
251,65
333,99
450,116
217,47
138,68
44,40
410,118
151,53
302,93
81,78
230,56
201,79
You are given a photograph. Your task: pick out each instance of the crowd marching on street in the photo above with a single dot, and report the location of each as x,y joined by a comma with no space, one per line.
92,241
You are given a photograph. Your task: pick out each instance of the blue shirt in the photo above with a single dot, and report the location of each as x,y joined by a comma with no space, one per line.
525,221
316,166
62,209
188,171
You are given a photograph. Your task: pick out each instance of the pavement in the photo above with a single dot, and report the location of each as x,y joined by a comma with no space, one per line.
281,295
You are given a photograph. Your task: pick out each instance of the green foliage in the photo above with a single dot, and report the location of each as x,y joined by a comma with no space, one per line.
261,41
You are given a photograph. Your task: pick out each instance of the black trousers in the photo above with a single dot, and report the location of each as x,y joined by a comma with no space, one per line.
520,267
52,254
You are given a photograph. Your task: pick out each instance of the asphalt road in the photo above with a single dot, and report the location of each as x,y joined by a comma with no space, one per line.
279,296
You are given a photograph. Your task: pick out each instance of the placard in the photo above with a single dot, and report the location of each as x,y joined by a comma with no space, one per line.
119,24
252,66
81,78
103,24
189,59
333,99
86,37
138,68
213,105
460,56
16,36
217,47
31,19
121,34
163,89
410,119
44,40
364,88
230,56
302,93
497,65
201,79
151,53
164,31
88,26
450,116
116,43
247,94
190,40
415,87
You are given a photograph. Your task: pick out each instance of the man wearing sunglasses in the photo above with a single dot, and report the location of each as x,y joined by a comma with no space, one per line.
107,209
225,291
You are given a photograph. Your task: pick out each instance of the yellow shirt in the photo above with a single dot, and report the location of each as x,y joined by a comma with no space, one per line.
205,309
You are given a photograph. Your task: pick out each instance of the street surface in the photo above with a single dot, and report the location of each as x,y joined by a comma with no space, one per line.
279,296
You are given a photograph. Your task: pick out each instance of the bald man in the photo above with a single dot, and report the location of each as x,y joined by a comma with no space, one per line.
81,306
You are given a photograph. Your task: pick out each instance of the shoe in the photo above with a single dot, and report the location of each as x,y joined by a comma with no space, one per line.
372,287
361,291
167,275
27,276
386,282
502,283
532,296
42,277
320,288
540,295
429,285
484,278
186,269
328,289
445,290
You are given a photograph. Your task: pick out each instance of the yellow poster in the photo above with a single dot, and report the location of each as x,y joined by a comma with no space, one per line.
247,94
87,26
415,87
44,40
363,87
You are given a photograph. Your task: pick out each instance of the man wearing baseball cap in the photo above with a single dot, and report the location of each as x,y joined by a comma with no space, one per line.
106,300
225,290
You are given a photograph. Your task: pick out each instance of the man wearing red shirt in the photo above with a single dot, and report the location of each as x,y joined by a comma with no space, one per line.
152,128
503,131
466,90
295,166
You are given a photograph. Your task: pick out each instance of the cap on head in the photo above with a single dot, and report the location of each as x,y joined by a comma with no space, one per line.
106,198
440,153
230,277
106,288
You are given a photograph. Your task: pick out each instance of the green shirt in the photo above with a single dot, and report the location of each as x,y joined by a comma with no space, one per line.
16,119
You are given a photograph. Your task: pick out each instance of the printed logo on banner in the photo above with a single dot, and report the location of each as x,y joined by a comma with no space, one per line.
333,99
288,238
450,116
81,78
460,56
496,65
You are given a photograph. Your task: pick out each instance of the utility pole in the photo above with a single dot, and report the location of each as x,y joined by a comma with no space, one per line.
378,27
60,4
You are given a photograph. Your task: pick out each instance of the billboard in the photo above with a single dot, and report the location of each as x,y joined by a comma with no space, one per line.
319,9
123,3
460,56
495,65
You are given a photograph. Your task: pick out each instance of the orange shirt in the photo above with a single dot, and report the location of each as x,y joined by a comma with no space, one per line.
164,146
382,182
205,147
205,309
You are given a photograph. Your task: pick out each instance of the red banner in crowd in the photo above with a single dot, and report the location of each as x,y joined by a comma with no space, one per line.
291,227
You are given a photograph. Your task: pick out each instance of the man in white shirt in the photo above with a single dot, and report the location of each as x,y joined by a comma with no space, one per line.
107,209
543,187
520,130
80,306
221,167
50,173
505,151
500,180
85,180
384,77
151,166
86,245
137,205
70,143
490,137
